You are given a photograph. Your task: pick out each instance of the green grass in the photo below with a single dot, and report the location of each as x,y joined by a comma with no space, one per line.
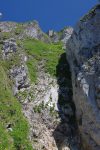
5,35
6,142
10,113
13,61
31,64
10,108
18,30
38,51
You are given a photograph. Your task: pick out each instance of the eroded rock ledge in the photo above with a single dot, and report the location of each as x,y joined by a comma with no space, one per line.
83,54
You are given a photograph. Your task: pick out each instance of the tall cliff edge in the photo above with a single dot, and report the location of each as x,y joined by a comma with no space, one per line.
83,54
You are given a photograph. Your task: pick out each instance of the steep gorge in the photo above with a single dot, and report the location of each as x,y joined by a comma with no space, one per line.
46,102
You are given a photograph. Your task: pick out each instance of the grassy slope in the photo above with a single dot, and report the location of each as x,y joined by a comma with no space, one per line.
10,114
10,109
38,51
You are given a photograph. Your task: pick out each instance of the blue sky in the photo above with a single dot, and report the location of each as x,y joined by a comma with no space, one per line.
51,14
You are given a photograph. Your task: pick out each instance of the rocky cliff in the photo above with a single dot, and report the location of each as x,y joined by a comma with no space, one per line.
36,107
83,54
62,35
37,111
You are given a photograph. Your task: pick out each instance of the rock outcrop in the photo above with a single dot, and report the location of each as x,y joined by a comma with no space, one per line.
7,26
83,54
66,34
9,47
33,30
54,36
22,30
19,75
62,35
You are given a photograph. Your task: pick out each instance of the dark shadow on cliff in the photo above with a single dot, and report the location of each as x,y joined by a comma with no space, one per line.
67,128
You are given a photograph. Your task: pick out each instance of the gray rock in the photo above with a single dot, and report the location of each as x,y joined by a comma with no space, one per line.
54,36
62,35
83,54
66,34
9,47
33,30
19,75
50,33
7,26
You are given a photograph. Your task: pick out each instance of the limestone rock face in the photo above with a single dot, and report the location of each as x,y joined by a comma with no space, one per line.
9,47
54,36
7,26
22,30
19,75
33,30
62,35
83,54
66,34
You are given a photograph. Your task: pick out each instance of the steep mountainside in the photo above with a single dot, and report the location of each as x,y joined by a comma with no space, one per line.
47,103
36,107
83,54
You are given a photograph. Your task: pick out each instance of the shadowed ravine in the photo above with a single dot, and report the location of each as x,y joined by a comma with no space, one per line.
66,133
45,128
47,103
